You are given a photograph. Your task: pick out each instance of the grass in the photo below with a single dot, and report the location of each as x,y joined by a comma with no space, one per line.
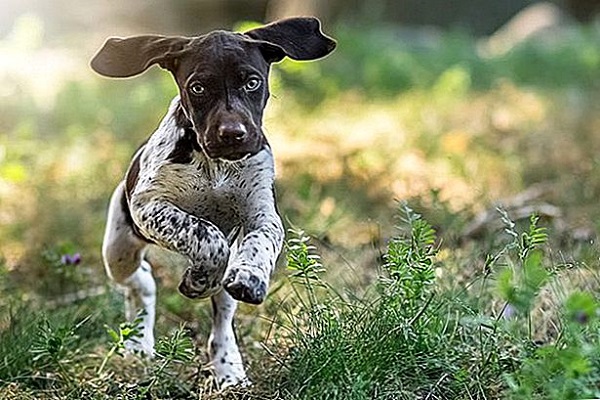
423,343
404,338
377,301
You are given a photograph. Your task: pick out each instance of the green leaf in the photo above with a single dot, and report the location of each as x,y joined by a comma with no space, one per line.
581,305
535,274
505,284
114,336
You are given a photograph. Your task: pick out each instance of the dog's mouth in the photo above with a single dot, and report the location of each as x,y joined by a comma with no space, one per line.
217,150
224,154
228,156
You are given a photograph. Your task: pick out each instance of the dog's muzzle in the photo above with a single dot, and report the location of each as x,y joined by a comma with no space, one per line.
232,142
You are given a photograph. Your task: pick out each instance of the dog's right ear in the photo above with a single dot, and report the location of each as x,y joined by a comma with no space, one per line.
299,38
124,57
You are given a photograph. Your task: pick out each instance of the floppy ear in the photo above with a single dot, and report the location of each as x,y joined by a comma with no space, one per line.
120,58
297,38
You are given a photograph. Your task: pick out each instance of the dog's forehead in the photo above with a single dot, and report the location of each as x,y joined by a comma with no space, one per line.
220,41
221,47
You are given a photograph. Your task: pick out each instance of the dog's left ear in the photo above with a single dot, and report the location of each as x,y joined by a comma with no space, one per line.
296,38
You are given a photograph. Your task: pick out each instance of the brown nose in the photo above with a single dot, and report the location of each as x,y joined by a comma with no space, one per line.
232,132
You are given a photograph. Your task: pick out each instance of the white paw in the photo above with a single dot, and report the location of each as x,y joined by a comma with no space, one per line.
229,370
231,378
234,382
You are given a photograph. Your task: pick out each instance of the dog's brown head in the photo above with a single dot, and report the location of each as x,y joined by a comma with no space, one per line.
222,76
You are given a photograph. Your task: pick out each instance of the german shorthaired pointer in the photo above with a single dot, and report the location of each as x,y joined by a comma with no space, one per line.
202,184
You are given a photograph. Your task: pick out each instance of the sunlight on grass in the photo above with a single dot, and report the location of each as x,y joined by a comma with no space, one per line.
405,147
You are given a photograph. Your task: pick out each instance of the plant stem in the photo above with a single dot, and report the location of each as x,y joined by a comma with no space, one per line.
105,360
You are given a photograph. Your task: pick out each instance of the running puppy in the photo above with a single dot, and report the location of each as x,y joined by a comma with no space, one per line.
202,184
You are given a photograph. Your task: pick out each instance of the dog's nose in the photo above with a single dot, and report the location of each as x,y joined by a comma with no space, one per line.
232,132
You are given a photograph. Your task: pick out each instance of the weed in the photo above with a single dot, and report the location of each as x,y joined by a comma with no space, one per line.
55,348
411,341
520,283
409,262
15,343
174,349
127,332
567,368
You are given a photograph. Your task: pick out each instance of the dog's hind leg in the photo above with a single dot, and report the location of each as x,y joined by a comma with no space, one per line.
123,254
140,300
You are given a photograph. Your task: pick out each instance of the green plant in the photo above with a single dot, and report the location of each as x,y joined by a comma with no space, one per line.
174,349
520,281
126,332
304,264
562,367
16,342
56,349
409,262
398,341
568,367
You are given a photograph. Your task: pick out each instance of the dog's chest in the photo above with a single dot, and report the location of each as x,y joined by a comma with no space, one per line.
212,191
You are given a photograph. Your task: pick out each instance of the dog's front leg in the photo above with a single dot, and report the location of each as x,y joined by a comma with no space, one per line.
200,240
225,356
247,276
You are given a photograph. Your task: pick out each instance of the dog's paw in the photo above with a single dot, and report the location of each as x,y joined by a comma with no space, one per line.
198,284
229,371
243,285
229,381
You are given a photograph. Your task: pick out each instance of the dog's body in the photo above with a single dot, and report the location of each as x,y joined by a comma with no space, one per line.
202,185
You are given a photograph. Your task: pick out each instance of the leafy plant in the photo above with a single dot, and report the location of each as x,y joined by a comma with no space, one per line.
520,282
126,332
397,343
564,367
56,348
409,261
569,367
174,349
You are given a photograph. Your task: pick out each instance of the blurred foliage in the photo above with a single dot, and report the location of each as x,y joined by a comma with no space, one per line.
380,62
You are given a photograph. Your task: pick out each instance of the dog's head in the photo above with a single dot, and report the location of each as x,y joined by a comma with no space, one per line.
222,76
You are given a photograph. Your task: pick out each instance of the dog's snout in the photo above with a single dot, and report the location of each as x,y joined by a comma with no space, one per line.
231,138
232,132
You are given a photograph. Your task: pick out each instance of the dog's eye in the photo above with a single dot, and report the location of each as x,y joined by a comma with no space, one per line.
197,89
252,84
